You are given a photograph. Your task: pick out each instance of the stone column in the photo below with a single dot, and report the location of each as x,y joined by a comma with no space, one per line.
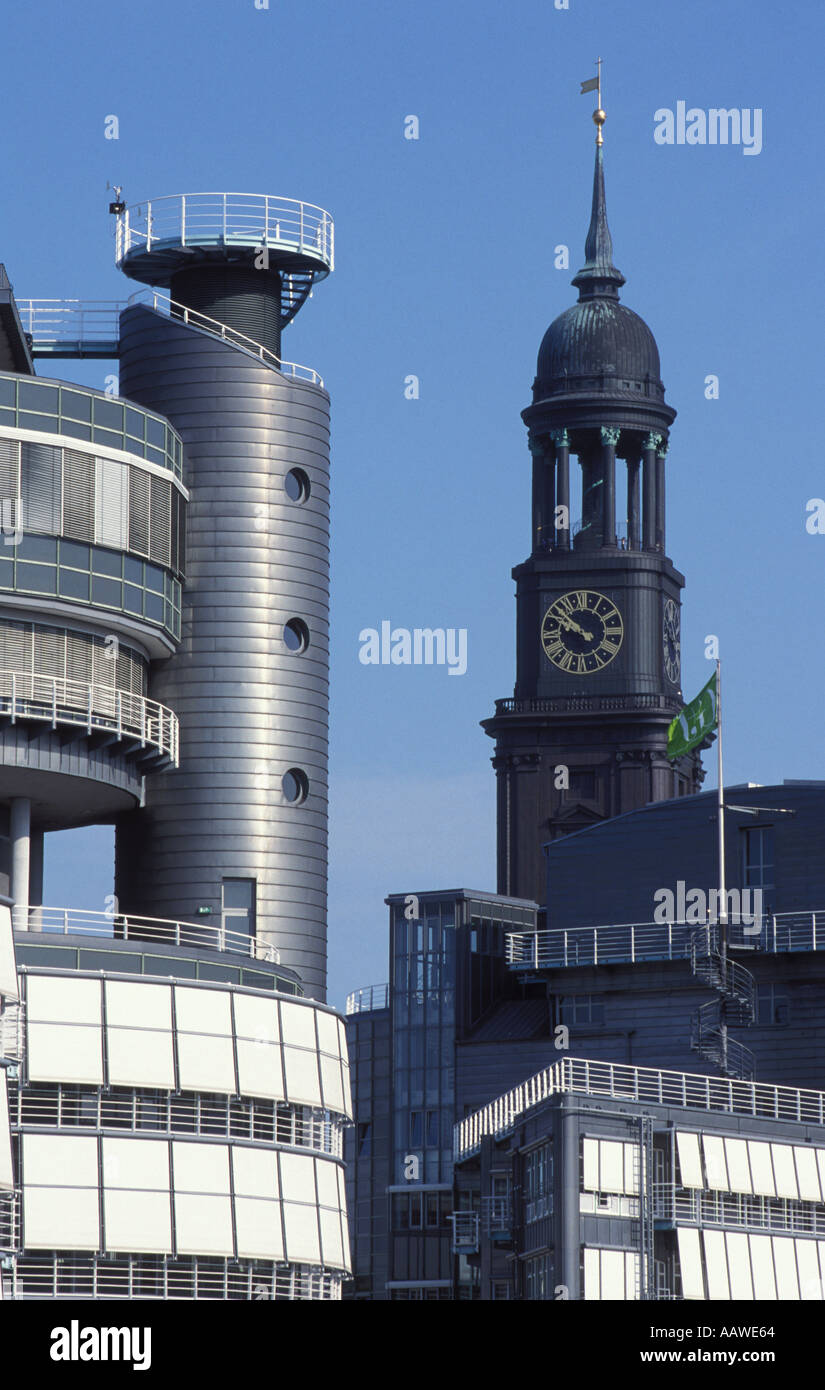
660,497
543,493
610,438
633,508
649,448
562,443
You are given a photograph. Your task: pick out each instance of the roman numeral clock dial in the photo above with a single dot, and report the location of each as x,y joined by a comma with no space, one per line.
582,632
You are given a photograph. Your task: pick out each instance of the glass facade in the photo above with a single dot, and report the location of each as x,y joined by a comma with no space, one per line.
89,415
92,575
424,994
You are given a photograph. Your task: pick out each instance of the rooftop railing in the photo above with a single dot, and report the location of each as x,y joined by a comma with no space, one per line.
226,219
91,328
94,708
685,1090
70,921
370,997
640,941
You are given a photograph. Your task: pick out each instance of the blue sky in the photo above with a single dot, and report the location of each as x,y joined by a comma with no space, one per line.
445,270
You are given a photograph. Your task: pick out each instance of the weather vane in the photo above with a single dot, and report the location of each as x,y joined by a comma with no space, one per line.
594,84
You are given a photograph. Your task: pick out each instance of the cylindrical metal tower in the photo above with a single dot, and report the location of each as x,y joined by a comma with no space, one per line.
240,832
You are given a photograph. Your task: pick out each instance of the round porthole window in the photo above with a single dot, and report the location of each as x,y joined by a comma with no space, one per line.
297,485
295,786
296,635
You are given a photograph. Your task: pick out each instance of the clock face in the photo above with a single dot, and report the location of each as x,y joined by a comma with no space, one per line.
582,631
671,640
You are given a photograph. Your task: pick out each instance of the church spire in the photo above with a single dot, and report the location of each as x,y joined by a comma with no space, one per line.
598,277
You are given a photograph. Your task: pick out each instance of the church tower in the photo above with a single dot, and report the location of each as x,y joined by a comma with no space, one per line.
598,601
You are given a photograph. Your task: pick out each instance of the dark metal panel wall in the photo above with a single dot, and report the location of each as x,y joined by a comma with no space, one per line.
250,709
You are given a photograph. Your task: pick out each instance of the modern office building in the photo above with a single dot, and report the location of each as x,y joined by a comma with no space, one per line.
637,1101
602,1181
177,1088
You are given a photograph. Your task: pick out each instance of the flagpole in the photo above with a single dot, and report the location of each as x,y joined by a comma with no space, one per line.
723,897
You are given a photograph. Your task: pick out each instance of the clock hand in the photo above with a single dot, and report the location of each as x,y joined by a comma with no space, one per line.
575,627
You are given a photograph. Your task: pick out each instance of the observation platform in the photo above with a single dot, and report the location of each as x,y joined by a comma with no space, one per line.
156,240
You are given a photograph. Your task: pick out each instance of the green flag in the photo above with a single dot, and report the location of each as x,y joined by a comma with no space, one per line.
592,85
694,723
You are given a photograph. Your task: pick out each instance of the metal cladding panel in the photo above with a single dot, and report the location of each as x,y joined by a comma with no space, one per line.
61,1208
257,1208
250,708
8,968
139,1040
807,1260
260,1061
137,1211
64,1036
764,1279
6,1170
690,1262
716,1264
784,1261
203,1205
739,1173
739,1265
807,1173
690,1161
206,1060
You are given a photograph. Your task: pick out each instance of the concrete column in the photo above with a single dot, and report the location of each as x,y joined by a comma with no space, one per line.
36,880
20,836
610,438
562,444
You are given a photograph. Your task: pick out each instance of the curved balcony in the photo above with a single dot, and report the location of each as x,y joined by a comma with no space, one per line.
71,921
149,731
369,997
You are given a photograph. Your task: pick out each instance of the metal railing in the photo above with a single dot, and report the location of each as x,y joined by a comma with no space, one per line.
91,707
226,219
585,704
12,1032
747,1211
79,328
465,1226
9,1220
64,1107
53,324
370,997
640,941
164,305
686,1090
70,921
496,1215
137,1277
